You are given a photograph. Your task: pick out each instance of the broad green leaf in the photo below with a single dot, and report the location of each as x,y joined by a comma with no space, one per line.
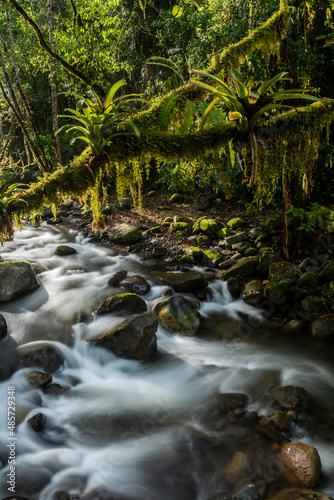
177,11
113,91
208,75
207,111
235,115
267,85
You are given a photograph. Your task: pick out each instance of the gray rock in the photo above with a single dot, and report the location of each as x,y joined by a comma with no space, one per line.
181,282
244,267
241,247
253,292
236,238
16,278
125,234
136,284
309,279
125,302
291,398
314,304
43,356
323,327
266,259
63,250
309,265
254,233
178,314
133,339
116,278
327,274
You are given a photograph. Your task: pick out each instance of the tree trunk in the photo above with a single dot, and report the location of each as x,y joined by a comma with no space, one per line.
53,82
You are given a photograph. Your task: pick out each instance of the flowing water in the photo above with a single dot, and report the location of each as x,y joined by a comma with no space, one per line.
147,431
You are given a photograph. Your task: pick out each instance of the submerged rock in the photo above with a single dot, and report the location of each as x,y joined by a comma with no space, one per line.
132,339
301,463
291,398
127,302
37,422
63,250
16,278
178,314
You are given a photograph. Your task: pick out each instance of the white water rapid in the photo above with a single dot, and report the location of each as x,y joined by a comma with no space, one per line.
142,431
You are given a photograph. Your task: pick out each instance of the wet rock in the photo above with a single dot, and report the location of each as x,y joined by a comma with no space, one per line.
55,389
133,339
16,278
235,223
37,422
323,327
117,278
254,233
253,292
43,356
314,304
327,274
8,356
273,424
309,280
236,238
181,282
123,203
37,379
299,494
238,467
194,252
178,314
136,284
125,302
234,286
212,258
267,258
244,267
231,401
125,234
291,398
159,251
63,250
3,327
247,492
301,464
283,281
327,291
295,326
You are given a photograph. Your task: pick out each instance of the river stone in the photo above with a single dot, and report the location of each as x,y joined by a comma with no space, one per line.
55,389
8,356
37,422
212,258
309,280
136,284
302,465
235,223
253,292
134,338
16,279
273,423
314,304
295,326
300,494
125,234
116,278
291,398
194,252
127,302
242,246
254,233
231,401
178,314
238,467
327,274
44,356
181,282
266,259
175,198
63,250
236,238
244,267
283,281
3,327
327,291
323,327
38,379
123,203
234,286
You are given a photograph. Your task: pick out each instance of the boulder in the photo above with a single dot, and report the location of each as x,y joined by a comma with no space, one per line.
244,267
235,223
236,238
323,327
55,389
291,398
206,226
295,326
63,250
212,258
314,304
194,252
116,278
180,282
178,314
125,234
253,292
327,274
126,302
267,258
254,233
136,284
134,338
234,286
8,356
123,203
299,494
283,281
301,464
37,422
327,291
241,247
42,355
238,467
175,198
38,379
16,278
3,327
309,280
273,424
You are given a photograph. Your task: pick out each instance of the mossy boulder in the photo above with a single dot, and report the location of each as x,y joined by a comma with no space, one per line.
204,240
323,328
236,238
123,302
266,259
176,198
178,314
212,258
194,252
16,278
225,231
250,251
182,227
314,303
244,267
132,339
309,279
235,223
283,281
327,291
63,250
125,234
206,226
327,274
253,292
181,282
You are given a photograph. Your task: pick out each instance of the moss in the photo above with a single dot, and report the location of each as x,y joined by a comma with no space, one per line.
235,223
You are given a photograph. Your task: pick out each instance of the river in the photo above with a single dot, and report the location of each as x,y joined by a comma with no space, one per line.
149,431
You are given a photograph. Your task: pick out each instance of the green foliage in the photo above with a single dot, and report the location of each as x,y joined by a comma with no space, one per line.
307,217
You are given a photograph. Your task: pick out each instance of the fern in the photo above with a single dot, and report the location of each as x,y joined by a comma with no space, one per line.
232,152
188,119
166,110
